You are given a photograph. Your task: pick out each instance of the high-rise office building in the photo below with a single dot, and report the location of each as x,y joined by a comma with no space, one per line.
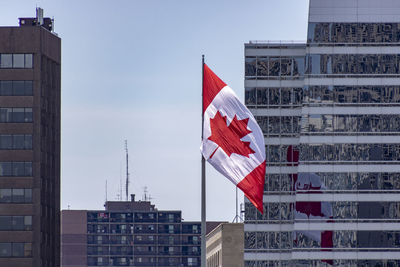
129,233
329,109
30,58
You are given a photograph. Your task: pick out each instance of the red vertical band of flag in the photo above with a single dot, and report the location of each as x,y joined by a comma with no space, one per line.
233,143
253,186
212,85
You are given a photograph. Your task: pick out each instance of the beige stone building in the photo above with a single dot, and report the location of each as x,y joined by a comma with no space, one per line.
225,246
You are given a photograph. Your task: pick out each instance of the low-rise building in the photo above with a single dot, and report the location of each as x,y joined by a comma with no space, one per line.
129,233
225,245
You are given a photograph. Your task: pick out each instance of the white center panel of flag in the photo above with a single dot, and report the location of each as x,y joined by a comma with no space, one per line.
235,167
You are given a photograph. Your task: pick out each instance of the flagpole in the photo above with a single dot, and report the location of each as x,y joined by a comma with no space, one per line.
203,179
236,218
237,214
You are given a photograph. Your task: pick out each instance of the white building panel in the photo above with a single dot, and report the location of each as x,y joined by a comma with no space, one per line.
276,52
250,227
281,141
276,112
340,139
360,110
280,169
354,11
320,255
273,83
269,256
352,81
349,255
329,197
340,226
362,50
338,168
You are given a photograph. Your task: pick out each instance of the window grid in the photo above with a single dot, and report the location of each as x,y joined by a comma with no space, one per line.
15,141
16,88
16,115
15,168
16,61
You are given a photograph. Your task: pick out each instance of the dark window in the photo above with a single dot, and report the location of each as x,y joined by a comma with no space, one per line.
18,115
28,88
17,61
250,67
5,249
5,114
5,60
15,195
6,88
15,168
16,141
17,249
6,223
16,88
15,114
6,141
28,61
5,195
28,115
19,88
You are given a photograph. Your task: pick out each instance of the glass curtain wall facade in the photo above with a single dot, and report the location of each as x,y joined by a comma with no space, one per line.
331,124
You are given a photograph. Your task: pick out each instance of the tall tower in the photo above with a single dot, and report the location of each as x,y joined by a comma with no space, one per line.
30,71
329,109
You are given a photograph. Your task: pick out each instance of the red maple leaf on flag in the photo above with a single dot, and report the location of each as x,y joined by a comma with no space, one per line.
228,137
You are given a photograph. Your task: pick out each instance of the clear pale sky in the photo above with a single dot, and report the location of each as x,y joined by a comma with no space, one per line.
132,70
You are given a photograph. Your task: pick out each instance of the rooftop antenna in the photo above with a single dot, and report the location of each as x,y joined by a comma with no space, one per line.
127,171
39,15
106,192
119,192
145,196
120,189
52,24
145,193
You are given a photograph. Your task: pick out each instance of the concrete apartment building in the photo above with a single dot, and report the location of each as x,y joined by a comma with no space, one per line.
329,109
30,69
129,233
225,245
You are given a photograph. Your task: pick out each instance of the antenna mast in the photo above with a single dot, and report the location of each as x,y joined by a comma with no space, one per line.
106,192
127,171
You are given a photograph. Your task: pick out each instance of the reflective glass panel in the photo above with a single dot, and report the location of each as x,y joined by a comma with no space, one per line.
18,61
28,115
18,141
5,60
5,250
28,61
18,88
5,87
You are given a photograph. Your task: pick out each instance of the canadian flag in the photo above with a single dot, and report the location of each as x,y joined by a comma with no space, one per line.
232,140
